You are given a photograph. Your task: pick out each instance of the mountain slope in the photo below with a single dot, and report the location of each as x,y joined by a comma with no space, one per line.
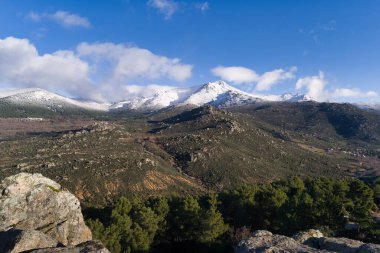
36,102
44,98
192,150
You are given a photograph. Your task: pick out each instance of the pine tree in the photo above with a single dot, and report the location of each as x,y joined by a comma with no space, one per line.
211,222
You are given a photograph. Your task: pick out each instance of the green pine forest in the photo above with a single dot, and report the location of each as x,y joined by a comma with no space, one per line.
216,222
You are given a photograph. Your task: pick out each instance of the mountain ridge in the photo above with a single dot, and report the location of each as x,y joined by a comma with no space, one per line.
43,98
218,93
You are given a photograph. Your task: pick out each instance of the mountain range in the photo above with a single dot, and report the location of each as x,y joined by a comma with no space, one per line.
218,94
211,137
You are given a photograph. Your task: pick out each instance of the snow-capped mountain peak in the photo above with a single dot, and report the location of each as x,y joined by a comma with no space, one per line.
218,93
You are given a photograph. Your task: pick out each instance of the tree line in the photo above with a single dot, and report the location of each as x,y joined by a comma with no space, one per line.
217,222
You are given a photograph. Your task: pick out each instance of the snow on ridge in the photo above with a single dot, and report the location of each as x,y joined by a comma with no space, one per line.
44,98
287,97
216,93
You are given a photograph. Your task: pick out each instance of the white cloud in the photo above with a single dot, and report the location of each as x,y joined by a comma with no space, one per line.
35,17
166,7
241,75
202,6
63,18
316,87
268,79
236,75
127,63
353,93
22,66
70,20
101,72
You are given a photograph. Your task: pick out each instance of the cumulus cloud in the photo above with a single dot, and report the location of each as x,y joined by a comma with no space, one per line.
241,75
22,66
236,75
63,18
268,79
127,63
166,7
102,71
316,87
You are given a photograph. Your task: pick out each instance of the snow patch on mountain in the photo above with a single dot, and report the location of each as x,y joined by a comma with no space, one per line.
288,97
43,98
159,100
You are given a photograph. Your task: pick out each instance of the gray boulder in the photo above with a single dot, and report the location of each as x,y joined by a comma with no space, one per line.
265,242
369,248
309,241
15,240
339,244
310,237
34,202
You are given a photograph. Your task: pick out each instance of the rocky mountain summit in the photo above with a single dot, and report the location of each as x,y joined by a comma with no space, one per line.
38,215
311,241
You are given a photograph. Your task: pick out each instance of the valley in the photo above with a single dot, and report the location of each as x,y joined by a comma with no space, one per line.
191,151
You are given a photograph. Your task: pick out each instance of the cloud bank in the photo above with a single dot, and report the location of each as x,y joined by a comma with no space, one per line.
113,72
99,71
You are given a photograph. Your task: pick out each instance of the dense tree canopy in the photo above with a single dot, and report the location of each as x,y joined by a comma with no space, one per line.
212,223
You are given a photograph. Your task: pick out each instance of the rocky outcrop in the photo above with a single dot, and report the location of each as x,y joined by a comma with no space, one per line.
36,213
86,247
34,202
310,241
266,242
15,240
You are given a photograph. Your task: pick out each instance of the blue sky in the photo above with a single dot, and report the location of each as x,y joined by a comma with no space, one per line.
114,48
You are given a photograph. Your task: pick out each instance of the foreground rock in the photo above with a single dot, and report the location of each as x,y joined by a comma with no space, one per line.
15,240
86,247
34,202
36,213
309,241
264,241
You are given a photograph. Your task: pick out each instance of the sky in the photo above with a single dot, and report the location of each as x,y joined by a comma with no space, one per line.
109,50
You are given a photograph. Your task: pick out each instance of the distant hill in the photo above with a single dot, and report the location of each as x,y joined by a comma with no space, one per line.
40,102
